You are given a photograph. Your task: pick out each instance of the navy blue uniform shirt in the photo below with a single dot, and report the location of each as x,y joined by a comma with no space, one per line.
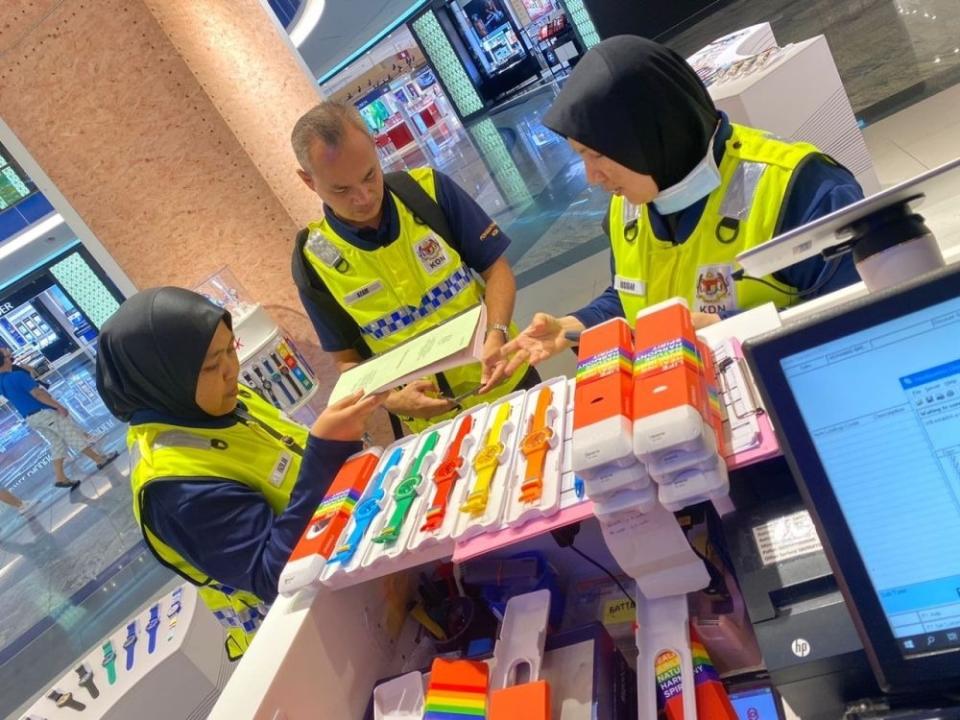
820,188
476,238
229,531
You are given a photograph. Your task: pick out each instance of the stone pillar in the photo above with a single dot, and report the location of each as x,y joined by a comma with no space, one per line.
165,124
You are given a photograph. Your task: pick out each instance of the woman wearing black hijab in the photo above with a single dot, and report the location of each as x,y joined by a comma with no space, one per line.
223,484
690,190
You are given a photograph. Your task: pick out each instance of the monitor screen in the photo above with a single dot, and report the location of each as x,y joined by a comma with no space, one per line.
882,408
756,704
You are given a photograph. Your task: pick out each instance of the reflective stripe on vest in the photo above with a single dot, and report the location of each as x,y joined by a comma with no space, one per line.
244,453
743,212
433,300
400,290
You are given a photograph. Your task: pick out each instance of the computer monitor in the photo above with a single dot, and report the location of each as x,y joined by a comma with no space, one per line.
866,401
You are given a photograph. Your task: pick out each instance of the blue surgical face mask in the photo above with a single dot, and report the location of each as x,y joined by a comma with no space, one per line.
699,182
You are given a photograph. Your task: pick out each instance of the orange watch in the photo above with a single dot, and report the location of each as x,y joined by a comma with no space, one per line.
446,476
534,446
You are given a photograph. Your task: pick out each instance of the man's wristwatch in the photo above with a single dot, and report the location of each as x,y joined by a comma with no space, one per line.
534,446
406,492
130,641
445,476
85,680
109,662
152,624
499,327
65,699
486,462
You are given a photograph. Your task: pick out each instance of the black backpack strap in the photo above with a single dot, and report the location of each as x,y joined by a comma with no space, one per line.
420,204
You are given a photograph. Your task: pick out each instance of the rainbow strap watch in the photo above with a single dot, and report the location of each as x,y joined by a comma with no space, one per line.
534,447
446,476
366,511
406,492
486,463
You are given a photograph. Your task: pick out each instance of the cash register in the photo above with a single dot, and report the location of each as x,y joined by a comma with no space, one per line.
866,401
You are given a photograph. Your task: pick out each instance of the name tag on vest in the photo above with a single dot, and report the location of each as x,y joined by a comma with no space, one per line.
364,292
280,469
631,286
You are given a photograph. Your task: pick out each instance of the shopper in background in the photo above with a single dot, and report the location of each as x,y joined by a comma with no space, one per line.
223,483
48,418
690,189
377,270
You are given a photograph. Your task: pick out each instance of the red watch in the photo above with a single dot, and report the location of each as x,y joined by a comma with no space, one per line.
445,477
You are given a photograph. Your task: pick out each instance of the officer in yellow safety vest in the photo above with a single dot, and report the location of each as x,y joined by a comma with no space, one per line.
393,256
223,484
690,190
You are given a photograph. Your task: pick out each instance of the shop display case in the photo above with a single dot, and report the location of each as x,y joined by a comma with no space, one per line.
270,363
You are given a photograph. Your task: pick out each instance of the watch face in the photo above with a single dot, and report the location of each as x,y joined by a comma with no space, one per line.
536,441
448,470
367,509
64,699
153,624
130,641
489,455
109,658
408,488
174,609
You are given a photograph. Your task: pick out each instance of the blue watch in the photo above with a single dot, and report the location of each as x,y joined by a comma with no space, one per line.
152,624
130,642
366,511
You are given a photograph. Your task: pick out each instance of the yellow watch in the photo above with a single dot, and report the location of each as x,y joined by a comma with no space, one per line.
486,462
534,447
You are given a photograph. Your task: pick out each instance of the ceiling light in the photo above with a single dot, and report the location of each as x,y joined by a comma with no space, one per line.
307,22
30,234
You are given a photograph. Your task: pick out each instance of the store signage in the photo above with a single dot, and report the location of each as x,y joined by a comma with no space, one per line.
5,308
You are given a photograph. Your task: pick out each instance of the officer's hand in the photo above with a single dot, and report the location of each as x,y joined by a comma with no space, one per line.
494,364
542,339
346,419
702,320
419,399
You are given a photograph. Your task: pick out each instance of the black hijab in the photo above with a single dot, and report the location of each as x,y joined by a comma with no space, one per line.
151,352
639,104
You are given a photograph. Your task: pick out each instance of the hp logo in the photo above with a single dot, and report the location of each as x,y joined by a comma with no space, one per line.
800,647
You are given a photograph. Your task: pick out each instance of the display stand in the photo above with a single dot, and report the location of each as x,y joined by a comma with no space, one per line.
270,363
794,92
166,662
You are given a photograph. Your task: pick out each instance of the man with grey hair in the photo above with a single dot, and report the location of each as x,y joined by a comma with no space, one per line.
393,256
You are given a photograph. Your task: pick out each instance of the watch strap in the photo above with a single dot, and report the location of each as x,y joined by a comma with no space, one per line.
406,493
152,625
110,662
130,646
66,699
366,510
532,487
85,678
444,482
476,503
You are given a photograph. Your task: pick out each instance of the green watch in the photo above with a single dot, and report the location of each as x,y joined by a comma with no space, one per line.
109,662
406,493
